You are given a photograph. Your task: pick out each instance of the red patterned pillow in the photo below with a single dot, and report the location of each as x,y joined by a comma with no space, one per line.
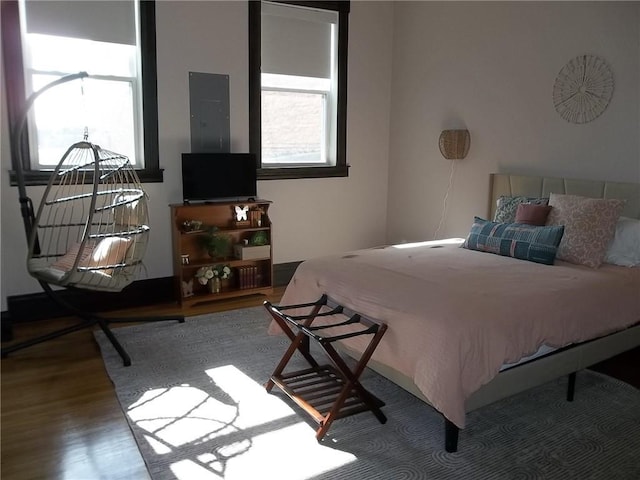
532,214
589,226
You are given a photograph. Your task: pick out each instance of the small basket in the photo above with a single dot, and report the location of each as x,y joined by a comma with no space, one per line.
454,144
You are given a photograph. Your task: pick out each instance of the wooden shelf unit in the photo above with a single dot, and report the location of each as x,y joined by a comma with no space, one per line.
221,215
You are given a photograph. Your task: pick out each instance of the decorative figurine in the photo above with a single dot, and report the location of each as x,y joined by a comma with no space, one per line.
187,288
241,213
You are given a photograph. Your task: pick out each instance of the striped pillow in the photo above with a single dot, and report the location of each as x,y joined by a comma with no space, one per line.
517,240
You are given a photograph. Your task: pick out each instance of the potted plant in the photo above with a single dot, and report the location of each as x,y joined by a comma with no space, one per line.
216,244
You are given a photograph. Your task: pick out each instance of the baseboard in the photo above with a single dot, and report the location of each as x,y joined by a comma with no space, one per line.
38,306
6,332
283,273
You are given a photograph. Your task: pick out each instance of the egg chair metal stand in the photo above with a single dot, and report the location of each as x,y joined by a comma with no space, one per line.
90,232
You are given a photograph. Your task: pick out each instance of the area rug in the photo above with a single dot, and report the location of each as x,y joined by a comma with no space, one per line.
196,404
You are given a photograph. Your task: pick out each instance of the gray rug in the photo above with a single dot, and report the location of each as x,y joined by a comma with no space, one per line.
195,402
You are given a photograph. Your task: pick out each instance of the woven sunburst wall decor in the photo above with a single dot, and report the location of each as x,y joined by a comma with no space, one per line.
583,89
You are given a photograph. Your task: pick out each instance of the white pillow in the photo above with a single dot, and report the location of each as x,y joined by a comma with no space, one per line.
625,246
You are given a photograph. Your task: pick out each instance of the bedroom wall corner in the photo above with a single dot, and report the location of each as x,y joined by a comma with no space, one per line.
13,242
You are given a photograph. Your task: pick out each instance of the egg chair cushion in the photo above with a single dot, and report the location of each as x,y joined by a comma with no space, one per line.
109,251
65,263
129,209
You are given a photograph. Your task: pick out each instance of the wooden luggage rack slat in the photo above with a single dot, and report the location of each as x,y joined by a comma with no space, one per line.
325,392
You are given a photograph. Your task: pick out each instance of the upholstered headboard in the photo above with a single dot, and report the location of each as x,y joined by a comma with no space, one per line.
534,186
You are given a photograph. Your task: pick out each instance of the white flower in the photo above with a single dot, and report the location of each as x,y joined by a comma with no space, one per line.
204,274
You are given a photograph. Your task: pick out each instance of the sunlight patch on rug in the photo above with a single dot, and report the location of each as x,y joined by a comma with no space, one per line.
239,429
196,404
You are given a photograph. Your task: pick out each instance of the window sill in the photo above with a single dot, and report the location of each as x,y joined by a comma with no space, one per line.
283,173
41,177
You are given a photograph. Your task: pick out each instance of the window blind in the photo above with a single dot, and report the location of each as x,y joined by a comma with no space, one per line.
104,21
296,40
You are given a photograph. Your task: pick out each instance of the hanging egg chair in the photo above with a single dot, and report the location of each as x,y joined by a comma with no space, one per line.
90,232
90,238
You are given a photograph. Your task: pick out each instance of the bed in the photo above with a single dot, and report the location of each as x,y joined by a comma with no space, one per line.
468,327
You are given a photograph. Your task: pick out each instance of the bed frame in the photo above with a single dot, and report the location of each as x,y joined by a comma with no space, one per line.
566,361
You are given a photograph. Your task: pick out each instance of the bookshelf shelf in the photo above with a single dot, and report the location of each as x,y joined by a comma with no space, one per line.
249,275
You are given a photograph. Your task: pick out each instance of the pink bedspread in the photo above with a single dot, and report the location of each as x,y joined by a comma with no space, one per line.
455,316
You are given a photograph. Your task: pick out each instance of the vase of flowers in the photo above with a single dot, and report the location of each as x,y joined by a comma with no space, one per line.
215,285
213,275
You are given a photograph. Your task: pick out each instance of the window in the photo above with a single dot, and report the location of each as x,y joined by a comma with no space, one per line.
105,102
297,99
115,43
296,114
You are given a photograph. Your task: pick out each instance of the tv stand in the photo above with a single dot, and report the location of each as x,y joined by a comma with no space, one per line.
215,201
251,266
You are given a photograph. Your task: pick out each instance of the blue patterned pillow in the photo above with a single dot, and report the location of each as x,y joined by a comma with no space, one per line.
517,240
506,207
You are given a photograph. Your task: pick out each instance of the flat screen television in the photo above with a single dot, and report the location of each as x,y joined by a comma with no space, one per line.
210,177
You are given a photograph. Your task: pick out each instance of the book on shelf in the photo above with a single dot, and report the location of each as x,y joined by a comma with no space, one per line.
248,276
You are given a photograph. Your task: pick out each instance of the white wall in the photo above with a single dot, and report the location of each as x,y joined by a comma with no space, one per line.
311,217
490,67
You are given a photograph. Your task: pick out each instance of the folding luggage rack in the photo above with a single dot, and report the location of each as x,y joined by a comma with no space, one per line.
332,391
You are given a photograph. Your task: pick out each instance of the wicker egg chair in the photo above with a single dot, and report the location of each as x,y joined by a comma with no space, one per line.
91,238
90,232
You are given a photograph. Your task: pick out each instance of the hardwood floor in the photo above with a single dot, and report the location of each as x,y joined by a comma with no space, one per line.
60,416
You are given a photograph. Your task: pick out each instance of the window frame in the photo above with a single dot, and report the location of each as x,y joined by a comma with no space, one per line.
16,96
341,168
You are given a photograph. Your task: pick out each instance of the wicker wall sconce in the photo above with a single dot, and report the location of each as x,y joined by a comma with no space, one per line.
454,144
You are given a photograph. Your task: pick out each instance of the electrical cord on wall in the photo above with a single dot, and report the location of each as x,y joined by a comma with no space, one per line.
444,202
